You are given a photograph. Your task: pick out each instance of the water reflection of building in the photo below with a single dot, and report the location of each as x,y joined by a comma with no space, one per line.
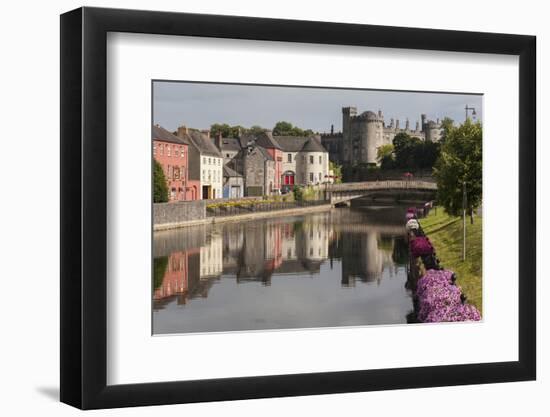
256,251
211,257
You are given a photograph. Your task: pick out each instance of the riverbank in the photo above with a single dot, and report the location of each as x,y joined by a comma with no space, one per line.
445,232
241,217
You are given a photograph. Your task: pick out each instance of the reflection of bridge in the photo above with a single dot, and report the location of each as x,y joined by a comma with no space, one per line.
399,190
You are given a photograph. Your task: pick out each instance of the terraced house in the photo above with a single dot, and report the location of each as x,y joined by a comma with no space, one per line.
172,153
205,162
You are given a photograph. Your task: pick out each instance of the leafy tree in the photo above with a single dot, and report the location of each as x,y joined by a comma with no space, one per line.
459,165
226,130
336,171
406,150
298,192
255,130
160,189
384,155
283,128
447,124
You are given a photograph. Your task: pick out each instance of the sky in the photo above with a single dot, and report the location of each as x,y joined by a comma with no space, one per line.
199,105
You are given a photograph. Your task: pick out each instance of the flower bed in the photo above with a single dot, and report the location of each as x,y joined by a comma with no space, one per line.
437,297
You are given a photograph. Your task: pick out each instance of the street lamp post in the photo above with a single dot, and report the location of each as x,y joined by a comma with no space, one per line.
464,203
467,109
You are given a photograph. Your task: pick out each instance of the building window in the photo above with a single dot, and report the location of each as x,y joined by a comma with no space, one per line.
161,149
320,177
311,177
167,150
311,159
203,175
209,161
154,148
168,172
176,151
321,159
289,157
204,160
227,155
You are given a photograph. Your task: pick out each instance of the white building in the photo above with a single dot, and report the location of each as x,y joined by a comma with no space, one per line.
305,160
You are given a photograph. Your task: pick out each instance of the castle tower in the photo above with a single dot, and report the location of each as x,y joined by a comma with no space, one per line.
423,118
371,134
347,147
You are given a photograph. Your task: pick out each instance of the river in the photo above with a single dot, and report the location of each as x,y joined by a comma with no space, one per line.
342,267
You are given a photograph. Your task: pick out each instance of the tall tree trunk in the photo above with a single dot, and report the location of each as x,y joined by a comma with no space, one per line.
471,209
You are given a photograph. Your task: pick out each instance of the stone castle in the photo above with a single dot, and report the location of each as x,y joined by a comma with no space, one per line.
362,135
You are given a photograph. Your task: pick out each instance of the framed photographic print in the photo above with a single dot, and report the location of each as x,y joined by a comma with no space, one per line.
309,207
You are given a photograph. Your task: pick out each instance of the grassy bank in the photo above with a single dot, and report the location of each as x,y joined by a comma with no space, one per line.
445,232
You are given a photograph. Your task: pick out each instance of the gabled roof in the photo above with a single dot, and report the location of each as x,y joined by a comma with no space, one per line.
313,145
229,172
204,145
159,133
266,140
300,144
230,144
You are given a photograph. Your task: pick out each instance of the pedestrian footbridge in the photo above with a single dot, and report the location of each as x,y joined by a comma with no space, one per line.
400,190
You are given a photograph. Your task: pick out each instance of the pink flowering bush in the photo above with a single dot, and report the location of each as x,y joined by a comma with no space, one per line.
421,246
440,300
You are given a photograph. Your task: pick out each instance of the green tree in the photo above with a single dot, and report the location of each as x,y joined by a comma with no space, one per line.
447,124
283,128
384,155
460,165
406,150
336,171
226,130
255,130
160,189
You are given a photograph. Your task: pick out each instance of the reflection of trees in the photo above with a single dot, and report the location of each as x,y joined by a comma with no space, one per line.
159,269
400,254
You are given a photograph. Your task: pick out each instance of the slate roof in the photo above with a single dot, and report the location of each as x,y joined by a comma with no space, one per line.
159,133
313,145
228,172
230,144
300,143
203,144
267,140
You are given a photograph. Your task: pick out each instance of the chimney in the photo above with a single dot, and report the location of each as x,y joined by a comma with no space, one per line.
218,141
182,131
206,132
332,129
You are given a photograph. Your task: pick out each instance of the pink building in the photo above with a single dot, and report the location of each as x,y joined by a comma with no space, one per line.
172,153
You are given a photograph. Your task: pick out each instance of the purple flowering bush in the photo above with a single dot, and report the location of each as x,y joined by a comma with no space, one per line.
409,216
439,299
421,246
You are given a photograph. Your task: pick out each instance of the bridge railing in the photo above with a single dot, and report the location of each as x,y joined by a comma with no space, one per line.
382,185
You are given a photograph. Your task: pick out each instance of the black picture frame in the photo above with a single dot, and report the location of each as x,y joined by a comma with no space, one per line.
84,207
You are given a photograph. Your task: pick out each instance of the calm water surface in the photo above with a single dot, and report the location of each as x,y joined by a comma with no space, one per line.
344,267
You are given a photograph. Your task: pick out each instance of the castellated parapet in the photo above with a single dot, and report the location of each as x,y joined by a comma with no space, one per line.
363,134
